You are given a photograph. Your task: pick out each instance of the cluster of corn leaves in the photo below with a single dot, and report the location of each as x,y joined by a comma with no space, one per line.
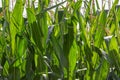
70,46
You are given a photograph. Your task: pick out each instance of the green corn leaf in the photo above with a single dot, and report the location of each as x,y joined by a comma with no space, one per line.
16,22
100,29
113,28
70,47
114,53
32,21
72,60
59,52
102,71
5,69
21,45
43,28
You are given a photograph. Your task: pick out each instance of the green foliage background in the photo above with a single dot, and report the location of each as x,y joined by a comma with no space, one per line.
70,46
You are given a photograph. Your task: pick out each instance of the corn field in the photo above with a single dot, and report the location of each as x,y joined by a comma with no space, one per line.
56,42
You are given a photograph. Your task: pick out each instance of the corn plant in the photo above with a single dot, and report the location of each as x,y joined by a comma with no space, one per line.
59,42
